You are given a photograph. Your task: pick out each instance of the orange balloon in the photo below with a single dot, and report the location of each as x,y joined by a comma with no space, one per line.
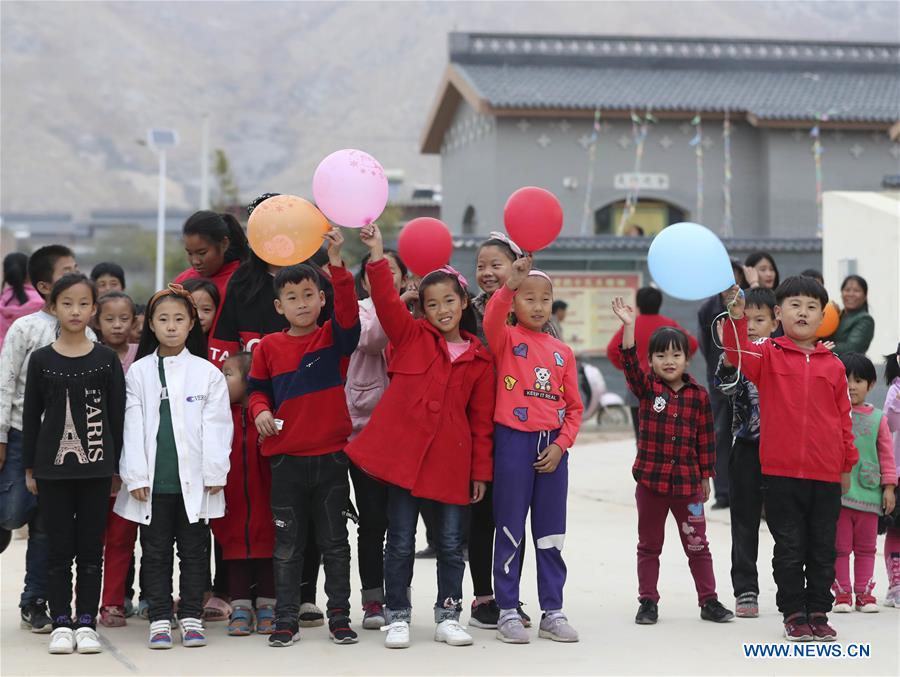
830,323
286,229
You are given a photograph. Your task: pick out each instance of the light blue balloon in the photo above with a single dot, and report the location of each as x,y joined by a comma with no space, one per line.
689,262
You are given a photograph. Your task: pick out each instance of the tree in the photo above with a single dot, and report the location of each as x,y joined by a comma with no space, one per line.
227,194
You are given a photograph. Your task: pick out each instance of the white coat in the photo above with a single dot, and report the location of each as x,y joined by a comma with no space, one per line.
201,421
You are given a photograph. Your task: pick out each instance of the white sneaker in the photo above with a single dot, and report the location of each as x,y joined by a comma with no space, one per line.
87,641
397,635
62,640
451,632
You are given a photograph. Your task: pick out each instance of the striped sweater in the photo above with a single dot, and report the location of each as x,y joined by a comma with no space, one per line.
300,379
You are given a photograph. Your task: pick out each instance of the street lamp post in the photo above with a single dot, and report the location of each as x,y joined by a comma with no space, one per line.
160,140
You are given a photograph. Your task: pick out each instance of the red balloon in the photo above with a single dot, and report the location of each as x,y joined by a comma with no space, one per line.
425,245
533,218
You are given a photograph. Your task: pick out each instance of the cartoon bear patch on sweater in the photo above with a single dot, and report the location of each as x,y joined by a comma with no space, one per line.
542,379
542,385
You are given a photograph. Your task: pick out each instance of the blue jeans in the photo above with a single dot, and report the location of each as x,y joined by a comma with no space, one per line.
403,517
18,507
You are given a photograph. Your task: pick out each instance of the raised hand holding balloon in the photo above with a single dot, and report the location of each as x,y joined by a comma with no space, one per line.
350,188
533,218
285,229
689,262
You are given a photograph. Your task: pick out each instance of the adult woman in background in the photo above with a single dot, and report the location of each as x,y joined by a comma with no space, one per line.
856,329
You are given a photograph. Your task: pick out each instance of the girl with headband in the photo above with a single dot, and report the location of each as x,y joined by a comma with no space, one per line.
172,483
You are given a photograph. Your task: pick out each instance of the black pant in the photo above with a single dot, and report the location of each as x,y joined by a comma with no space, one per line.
73,515
371,503
481,544
304,488
722,413
802,516
746,497
169,526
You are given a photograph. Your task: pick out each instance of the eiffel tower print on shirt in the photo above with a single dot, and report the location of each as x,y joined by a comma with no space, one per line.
70,443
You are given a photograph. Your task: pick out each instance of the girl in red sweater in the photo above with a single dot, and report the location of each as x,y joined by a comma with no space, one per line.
245,533
441,395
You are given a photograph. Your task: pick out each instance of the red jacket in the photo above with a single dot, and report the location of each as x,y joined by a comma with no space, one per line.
246,530
804,408
644,326
431,432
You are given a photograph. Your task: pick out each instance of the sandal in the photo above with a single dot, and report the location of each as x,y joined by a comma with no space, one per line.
241,622
216,609
112,617
265,620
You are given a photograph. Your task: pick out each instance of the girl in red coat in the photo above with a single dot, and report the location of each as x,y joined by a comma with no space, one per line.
245,532
441,396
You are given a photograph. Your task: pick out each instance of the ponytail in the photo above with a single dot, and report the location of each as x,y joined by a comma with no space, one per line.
215,228
15,272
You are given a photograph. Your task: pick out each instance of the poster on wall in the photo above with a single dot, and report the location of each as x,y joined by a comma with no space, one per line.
590,322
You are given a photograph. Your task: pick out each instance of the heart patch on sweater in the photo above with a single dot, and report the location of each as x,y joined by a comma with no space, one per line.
509,382
560,362
521,413
521,350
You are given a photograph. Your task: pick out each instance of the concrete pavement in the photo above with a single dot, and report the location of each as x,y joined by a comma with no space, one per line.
600,602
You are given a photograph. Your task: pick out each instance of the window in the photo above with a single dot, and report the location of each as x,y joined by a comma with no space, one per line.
470,221
651,215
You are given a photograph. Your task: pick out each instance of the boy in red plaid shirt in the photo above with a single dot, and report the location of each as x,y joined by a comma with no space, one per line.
675,461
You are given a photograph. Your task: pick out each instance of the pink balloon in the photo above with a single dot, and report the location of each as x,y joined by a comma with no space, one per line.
350,188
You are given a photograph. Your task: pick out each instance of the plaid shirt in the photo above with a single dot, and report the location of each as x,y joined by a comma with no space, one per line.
676,441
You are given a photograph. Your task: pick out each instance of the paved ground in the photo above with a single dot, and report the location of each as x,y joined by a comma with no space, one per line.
600,601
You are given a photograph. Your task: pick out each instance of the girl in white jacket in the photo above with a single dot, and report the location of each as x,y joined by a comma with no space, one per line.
178,431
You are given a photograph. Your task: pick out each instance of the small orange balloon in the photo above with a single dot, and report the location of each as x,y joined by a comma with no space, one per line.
286,229
830,323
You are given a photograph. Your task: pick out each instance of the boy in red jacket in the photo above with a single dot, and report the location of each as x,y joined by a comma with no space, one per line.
298,376
806,467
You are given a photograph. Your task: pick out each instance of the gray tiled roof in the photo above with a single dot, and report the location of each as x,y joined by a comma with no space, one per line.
768,79
787,95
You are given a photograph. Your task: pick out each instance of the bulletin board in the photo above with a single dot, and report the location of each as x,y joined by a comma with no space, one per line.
590,322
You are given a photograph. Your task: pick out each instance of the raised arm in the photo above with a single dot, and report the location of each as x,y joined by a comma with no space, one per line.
345,326
395,319
637,380
738,348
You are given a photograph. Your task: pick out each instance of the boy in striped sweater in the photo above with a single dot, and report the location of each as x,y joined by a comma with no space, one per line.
297,402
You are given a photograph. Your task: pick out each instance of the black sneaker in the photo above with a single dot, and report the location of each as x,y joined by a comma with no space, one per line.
285,634
485,615
712,610
340,630
648,613
35,617
525,618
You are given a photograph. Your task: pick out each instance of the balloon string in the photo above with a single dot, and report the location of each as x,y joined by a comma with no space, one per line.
729,385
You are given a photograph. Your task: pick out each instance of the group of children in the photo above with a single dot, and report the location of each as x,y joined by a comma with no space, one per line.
253,395
808,452
256,439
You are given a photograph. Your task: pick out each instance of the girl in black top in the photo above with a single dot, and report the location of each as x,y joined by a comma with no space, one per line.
70,456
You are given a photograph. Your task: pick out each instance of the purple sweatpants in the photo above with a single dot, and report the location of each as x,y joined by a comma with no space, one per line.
518,487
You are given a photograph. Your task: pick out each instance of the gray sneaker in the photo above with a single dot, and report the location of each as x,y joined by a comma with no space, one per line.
510,628
555,626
